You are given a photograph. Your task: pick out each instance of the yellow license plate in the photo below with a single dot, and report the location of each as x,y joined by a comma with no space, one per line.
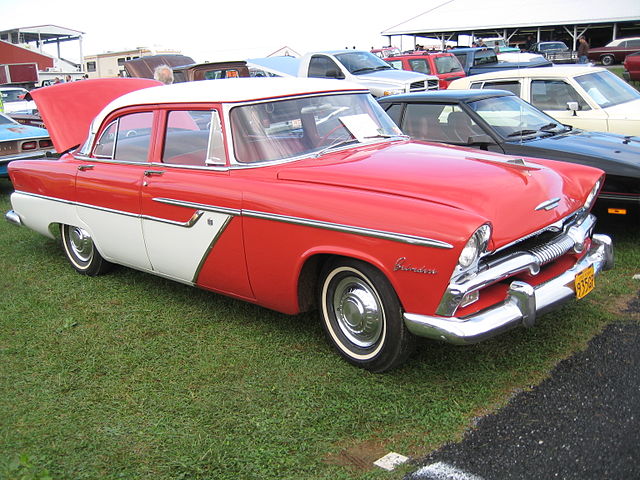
585,282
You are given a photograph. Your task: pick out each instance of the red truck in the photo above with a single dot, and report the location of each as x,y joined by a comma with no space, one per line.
444,65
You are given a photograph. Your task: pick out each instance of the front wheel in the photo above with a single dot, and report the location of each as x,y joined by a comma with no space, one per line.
362,317
607,60
81,251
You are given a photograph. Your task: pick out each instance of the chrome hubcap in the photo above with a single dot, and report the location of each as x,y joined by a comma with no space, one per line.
358,311
81,244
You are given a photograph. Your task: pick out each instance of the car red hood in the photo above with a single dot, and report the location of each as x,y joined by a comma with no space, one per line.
67,109
478,182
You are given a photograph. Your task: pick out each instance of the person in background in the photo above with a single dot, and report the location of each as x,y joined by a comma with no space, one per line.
164,74
583,50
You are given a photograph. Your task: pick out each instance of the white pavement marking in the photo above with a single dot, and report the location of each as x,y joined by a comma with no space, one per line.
390,461
443,471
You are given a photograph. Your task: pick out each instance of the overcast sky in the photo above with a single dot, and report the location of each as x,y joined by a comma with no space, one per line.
216,30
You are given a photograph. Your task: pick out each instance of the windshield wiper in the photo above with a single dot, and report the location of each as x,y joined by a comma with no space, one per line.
338,143
365,69
383,67
549,126
522,133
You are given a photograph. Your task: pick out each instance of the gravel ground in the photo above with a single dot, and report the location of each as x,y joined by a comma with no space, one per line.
581,423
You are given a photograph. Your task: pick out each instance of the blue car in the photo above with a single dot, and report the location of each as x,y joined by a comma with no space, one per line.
499,121
19,141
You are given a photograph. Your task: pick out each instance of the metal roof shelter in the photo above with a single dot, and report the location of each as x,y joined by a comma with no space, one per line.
600,21
42,35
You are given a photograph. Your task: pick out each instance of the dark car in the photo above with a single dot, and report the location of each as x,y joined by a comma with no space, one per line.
498,121
556,52
614,52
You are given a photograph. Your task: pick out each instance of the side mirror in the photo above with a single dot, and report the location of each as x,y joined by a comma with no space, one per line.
482,139
574,107
335,74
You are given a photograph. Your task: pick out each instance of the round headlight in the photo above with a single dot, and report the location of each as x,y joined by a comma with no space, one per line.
476,245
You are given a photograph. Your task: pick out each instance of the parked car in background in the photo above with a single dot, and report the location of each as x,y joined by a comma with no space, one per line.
385,52
499,121
144,67
632,67
477,60
556,52
21,141
356,66
590,98
210,71
13,100
615,51
444,65
499,45
297,194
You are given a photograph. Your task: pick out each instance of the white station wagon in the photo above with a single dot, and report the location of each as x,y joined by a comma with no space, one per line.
591,98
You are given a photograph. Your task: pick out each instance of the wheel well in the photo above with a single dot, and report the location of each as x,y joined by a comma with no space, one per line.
310,276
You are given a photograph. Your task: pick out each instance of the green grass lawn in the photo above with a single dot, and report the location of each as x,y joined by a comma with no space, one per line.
129,376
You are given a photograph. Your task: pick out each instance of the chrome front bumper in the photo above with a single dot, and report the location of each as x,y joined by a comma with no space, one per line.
523,304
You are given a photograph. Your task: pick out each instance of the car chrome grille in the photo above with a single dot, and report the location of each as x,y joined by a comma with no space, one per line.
549,251
417,86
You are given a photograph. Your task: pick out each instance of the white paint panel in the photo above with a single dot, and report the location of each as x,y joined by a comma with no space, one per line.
176,251
117,236
37,213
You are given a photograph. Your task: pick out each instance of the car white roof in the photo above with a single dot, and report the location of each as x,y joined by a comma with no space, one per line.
546,72
232,90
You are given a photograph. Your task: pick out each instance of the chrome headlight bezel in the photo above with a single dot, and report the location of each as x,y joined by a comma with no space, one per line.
593,194
473,250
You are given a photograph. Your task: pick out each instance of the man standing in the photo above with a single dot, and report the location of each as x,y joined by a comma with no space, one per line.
583,50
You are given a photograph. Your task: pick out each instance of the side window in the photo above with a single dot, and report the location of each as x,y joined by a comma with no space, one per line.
512,86
397,64
476,85
439,123
323,67
633,43
554,95
394,111
127,138
462,58
420,65
194,137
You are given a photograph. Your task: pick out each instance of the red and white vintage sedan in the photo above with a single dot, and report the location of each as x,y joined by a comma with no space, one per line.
301,193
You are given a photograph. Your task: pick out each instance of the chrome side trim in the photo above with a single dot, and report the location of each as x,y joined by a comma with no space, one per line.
214,240
367,232
524,303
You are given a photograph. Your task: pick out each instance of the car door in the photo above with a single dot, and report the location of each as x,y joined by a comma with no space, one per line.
190,205
108,186
552,97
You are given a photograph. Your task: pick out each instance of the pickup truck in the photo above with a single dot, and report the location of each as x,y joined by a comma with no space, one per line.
477,60
356,66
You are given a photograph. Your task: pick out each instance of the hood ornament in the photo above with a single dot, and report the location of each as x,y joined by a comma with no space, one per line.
549,204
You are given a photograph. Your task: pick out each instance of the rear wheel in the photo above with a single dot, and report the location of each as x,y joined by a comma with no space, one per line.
362,317
81,251
607,60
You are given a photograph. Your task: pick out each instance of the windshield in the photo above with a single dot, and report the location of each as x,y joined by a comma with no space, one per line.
362,62
512,117
553,46
485,56
5,120
607,89
283,129
9,96
448,64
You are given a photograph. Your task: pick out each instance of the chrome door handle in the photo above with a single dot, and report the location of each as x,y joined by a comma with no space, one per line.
82,168
151,173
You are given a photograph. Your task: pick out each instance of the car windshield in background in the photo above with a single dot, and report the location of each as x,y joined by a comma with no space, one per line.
447,64
9,96
607,89
553,46
5,120
484,57
362,62
291,128
511,117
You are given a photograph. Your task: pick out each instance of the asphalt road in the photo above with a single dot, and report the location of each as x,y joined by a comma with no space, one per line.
581,423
